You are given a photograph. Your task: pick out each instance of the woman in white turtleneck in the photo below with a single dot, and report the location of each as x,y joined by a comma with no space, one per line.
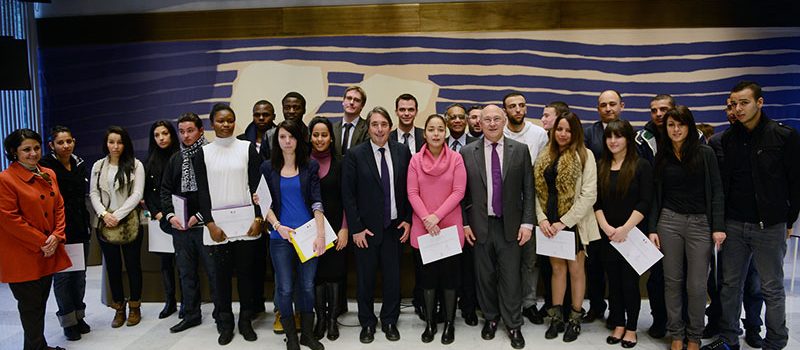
227,174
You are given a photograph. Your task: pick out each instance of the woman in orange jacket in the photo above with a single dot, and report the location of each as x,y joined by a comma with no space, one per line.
31,231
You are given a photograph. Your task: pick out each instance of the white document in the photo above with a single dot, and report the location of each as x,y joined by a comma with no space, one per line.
638,251
562,245
443,245
234,221
158,241
75,253
303,239
180,209
264,197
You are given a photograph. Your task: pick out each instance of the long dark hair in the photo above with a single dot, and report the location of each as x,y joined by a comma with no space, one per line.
157,157
576,139
619,128
329,125
127,161
301,153
688,152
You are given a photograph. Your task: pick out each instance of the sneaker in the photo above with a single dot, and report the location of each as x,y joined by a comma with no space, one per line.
719,344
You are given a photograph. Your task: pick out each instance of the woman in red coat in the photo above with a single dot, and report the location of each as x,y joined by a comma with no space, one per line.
31,232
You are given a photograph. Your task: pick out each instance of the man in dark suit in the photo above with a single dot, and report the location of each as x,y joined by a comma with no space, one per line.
456,116
261,130
405,107
352,129
609,107
378,215
498,221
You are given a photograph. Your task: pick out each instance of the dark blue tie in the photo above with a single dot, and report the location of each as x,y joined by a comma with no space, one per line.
387,190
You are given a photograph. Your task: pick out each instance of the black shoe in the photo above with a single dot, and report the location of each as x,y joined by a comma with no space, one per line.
593,315
392,334
532,313
611,340
449,333
628,344
333,329
246,329
573,330
225,337
429,333
184,325
719,344
489,328
710,331
753,338
421,313
470,318
554,328
72,333
517,341
367,334
658,330
169,309
83,327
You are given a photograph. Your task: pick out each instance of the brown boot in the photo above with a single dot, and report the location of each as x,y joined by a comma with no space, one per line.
135,315
119,317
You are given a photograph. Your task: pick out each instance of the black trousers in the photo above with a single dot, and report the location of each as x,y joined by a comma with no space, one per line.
624,299
234,257
189,253
31,302
113,255
468,299
387,254
596,278
655,293
497,270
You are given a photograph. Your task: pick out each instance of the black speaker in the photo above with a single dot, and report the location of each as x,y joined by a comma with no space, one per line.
14,64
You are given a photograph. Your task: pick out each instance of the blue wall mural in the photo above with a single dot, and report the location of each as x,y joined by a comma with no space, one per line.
89,88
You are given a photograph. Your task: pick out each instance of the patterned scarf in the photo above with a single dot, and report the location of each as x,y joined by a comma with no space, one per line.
188,179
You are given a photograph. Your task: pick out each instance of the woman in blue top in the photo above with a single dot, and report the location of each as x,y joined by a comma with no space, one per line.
294,185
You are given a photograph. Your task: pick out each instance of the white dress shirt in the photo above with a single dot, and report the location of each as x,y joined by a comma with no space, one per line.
388,154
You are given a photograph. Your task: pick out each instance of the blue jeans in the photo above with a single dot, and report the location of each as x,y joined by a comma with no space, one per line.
767,246
69,289
285,262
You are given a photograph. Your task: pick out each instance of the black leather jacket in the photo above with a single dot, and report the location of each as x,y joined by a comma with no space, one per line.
775,159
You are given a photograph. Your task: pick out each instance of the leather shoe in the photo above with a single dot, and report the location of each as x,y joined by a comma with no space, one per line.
367,334
592,315
489,328
533,315
471,319
517,341
72,333
392,334
225,337
611,340
753,337
658,330
184,325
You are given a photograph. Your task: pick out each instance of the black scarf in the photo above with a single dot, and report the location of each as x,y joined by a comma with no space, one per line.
188,179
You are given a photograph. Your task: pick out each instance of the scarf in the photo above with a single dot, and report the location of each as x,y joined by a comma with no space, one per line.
569,168
188,179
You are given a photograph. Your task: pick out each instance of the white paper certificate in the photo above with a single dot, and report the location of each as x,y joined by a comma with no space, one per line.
562,245
638,251
75,253
179,209
303,239
234,221
443,245
158,241
264,197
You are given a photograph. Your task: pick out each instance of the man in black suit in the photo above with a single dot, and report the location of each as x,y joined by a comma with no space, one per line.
456,116
498,221
405,107
352,129
378,215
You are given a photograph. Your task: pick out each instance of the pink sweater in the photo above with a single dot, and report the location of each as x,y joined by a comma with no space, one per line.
436,186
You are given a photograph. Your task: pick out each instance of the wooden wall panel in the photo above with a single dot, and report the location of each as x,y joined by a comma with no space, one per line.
412,18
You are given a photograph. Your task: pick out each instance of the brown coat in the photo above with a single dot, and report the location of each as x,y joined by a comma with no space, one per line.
30,211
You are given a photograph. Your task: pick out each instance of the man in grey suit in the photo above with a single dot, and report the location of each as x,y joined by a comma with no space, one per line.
498,221
352,129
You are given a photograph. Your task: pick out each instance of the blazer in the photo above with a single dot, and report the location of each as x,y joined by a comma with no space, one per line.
362,193
266,141
32,210
517,189
359,134
309,186
419,137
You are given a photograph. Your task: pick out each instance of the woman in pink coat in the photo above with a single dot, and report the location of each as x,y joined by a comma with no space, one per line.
437,180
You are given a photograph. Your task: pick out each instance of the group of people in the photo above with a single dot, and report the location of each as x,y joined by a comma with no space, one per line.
483,173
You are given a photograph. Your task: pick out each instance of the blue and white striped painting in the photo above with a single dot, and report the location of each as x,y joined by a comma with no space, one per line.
88,88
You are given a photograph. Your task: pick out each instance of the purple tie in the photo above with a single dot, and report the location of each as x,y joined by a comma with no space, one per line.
497,183
387,191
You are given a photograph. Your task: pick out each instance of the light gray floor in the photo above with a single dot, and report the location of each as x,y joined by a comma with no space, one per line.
153,333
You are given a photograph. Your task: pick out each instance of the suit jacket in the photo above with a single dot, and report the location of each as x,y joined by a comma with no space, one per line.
250,135
359,134
593,138
309,186
518,204
362,193
470,139
419,137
